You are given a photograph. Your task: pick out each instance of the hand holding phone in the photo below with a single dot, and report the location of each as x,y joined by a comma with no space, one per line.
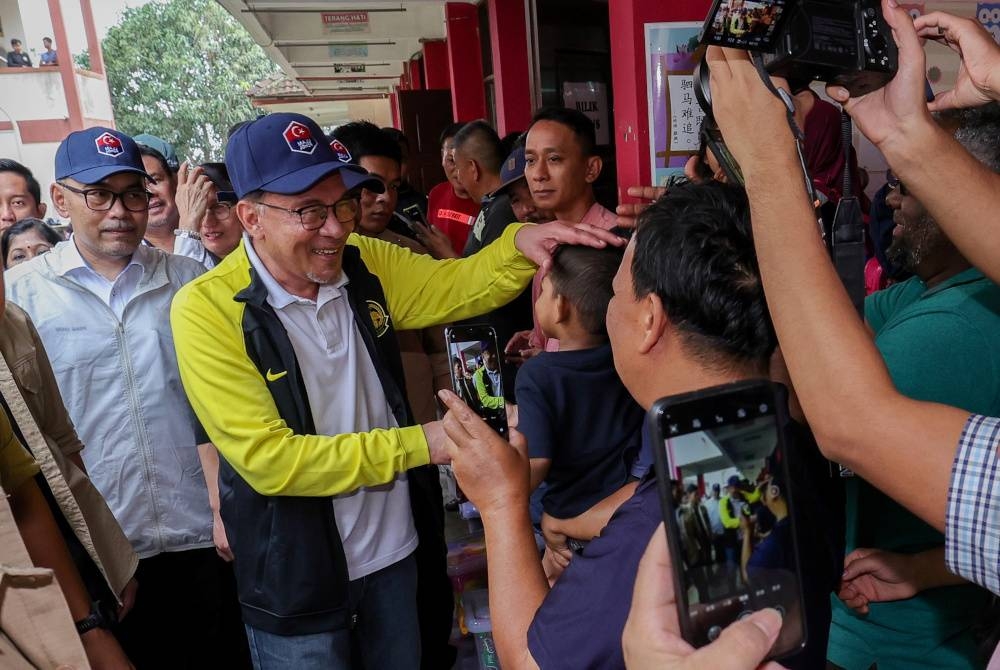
727,436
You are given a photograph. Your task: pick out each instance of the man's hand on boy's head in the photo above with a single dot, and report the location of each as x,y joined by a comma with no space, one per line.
539,241
890,114
492,472
753,121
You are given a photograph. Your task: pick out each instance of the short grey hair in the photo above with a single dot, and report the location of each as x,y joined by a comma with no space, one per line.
978,130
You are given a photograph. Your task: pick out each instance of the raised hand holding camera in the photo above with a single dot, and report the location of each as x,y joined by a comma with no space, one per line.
895,112
980,55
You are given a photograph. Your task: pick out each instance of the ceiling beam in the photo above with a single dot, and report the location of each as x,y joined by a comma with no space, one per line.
255,9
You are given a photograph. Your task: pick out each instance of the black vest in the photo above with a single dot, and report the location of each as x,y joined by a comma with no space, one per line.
292,573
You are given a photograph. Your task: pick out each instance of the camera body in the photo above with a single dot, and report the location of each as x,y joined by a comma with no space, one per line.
842,42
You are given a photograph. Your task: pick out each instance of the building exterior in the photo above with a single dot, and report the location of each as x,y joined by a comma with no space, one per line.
39,106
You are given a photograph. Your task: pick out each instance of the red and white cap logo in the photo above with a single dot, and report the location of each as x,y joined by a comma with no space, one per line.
109,145
343,155
299,138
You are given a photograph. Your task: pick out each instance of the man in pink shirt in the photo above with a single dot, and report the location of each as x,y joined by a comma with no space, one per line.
561,166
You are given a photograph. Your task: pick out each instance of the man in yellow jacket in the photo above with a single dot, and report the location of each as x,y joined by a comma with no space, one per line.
288,356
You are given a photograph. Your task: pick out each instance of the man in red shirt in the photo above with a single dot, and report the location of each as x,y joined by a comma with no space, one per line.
449,207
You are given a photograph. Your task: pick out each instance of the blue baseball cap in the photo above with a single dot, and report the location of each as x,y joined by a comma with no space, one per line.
93,154
511,170
162,147
287,153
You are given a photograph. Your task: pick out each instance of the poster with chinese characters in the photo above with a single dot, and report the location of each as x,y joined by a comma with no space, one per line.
674,114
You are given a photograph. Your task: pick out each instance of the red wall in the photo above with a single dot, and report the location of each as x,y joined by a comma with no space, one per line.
628,77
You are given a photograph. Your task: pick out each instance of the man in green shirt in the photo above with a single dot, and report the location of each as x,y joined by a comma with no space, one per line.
937,333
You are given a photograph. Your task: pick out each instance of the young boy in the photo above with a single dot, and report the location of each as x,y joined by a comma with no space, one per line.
583,428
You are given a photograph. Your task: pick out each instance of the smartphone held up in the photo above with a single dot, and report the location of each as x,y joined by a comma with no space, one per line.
476,372
726,443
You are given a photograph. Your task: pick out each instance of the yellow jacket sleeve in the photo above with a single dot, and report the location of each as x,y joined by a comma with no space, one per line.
485,399
232,401
727,518
422,291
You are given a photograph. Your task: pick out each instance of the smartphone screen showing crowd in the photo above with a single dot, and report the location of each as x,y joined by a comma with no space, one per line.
729,436
476,372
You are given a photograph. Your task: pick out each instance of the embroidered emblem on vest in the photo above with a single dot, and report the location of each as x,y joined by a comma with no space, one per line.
380,318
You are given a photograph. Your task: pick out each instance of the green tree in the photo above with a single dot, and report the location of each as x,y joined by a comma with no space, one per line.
180,70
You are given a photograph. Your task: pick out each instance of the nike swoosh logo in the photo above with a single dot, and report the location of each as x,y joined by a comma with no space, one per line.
274,376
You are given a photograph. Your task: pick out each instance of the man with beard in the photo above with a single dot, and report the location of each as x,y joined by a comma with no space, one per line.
943,319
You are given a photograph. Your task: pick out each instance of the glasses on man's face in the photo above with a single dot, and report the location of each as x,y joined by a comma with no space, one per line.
314,216
221,211
895,184
102,199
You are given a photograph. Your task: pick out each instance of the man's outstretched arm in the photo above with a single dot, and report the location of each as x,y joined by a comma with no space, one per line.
493,473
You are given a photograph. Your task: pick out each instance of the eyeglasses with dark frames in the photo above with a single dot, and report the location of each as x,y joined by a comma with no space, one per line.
221,211
103,199
314,216
895,184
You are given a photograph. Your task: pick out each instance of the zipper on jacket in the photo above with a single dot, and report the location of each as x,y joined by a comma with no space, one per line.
135,416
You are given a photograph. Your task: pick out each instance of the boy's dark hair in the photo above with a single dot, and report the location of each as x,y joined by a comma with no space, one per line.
479,140
34,188
575,120
150,151
450,131
24,225
364,138
694,250
14,42
583,275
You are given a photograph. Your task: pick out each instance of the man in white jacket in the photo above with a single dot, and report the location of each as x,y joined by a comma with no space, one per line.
99,302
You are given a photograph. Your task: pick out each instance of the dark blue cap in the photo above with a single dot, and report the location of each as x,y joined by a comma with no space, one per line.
287,153
511,170
734,480
91,155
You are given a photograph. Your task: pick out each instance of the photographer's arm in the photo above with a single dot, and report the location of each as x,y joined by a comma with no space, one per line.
859,420
896,119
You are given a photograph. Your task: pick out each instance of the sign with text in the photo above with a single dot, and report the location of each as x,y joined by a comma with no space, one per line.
591,98
674,114
348,51
345,22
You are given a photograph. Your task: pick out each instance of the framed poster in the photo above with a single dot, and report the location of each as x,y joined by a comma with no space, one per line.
674,114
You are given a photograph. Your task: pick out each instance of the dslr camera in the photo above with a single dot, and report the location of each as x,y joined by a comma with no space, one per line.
842,42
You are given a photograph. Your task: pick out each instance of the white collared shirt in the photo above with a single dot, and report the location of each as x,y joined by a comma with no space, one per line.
345,396
115,294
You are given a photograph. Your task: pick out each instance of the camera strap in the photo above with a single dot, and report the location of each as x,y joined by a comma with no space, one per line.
845,239
847,234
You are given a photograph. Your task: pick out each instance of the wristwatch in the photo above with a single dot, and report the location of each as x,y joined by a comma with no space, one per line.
184,232
93,620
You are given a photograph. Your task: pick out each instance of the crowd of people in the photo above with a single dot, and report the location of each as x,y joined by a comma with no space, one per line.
227,395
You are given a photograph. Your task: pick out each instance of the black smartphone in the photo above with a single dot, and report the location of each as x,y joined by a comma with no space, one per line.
476,372
729,436
744,24
414,219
